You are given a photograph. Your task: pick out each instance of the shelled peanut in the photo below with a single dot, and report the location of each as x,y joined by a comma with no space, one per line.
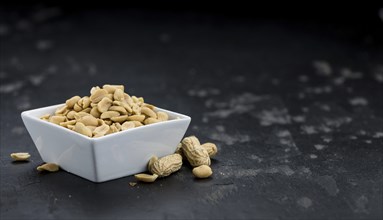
107,110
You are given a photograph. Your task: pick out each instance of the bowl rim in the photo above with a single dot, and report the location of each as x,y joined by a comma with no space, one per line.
28,114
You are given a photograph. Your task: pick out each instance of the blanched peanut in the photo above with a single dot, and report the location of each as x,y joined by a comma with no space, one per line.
202,171
88,120
151,121
120,119
118,95
127,125
98,95
119,109
57,119
104,104
51,167
109,114
162,116
147,111
70,102
146,177
21,156
82,129
100,130
139,118
112,88
137,124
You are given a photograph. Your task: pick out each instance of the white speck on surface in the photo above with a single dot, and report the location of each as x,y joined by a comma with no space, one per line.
326,139
92,69
378,134
322,67
348,74
70,196
219,193
301,95
362,132
378,74
11,87
325,107
308,129
303,78
203,92
241,104
220,128
329,184
352,137
205,119
337,122
23,103
304,202
255,157
339,80
229,139
43,45
299,118
37,80
319,146
313,156
368,141
358,101
282,169
305,109
274,116
361,205
283,133
319,90
18,130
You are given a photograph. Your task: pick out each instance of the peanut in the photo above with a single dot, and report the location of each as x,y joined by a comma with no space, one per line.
146,177
162,116
98,95
166,165
100,130
147,111
109,106
139,118
104,104
202,171
210,148
51,167
70,102
195,154
149,121
82,129
21,156
127,125
151,162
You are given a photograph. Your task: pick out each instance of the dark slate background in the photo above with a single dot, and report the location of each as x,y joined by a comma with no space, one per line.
292,96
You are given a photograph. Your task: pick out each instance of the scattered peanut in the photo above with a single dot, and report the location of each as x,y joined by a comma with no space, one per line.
166,165
195,154
51,167
21,156
146,177
210,148
203,171
116,110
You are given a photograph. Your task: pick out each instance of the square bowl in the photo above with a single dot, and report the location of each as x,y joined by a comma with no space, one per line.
104,158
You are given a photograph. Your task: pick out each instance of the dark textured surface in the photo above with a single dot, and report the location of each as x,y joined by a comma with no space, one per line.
294,105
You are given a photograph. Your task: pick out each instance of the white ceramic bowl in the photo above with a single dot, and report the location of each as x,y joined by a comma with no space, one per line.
104,158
